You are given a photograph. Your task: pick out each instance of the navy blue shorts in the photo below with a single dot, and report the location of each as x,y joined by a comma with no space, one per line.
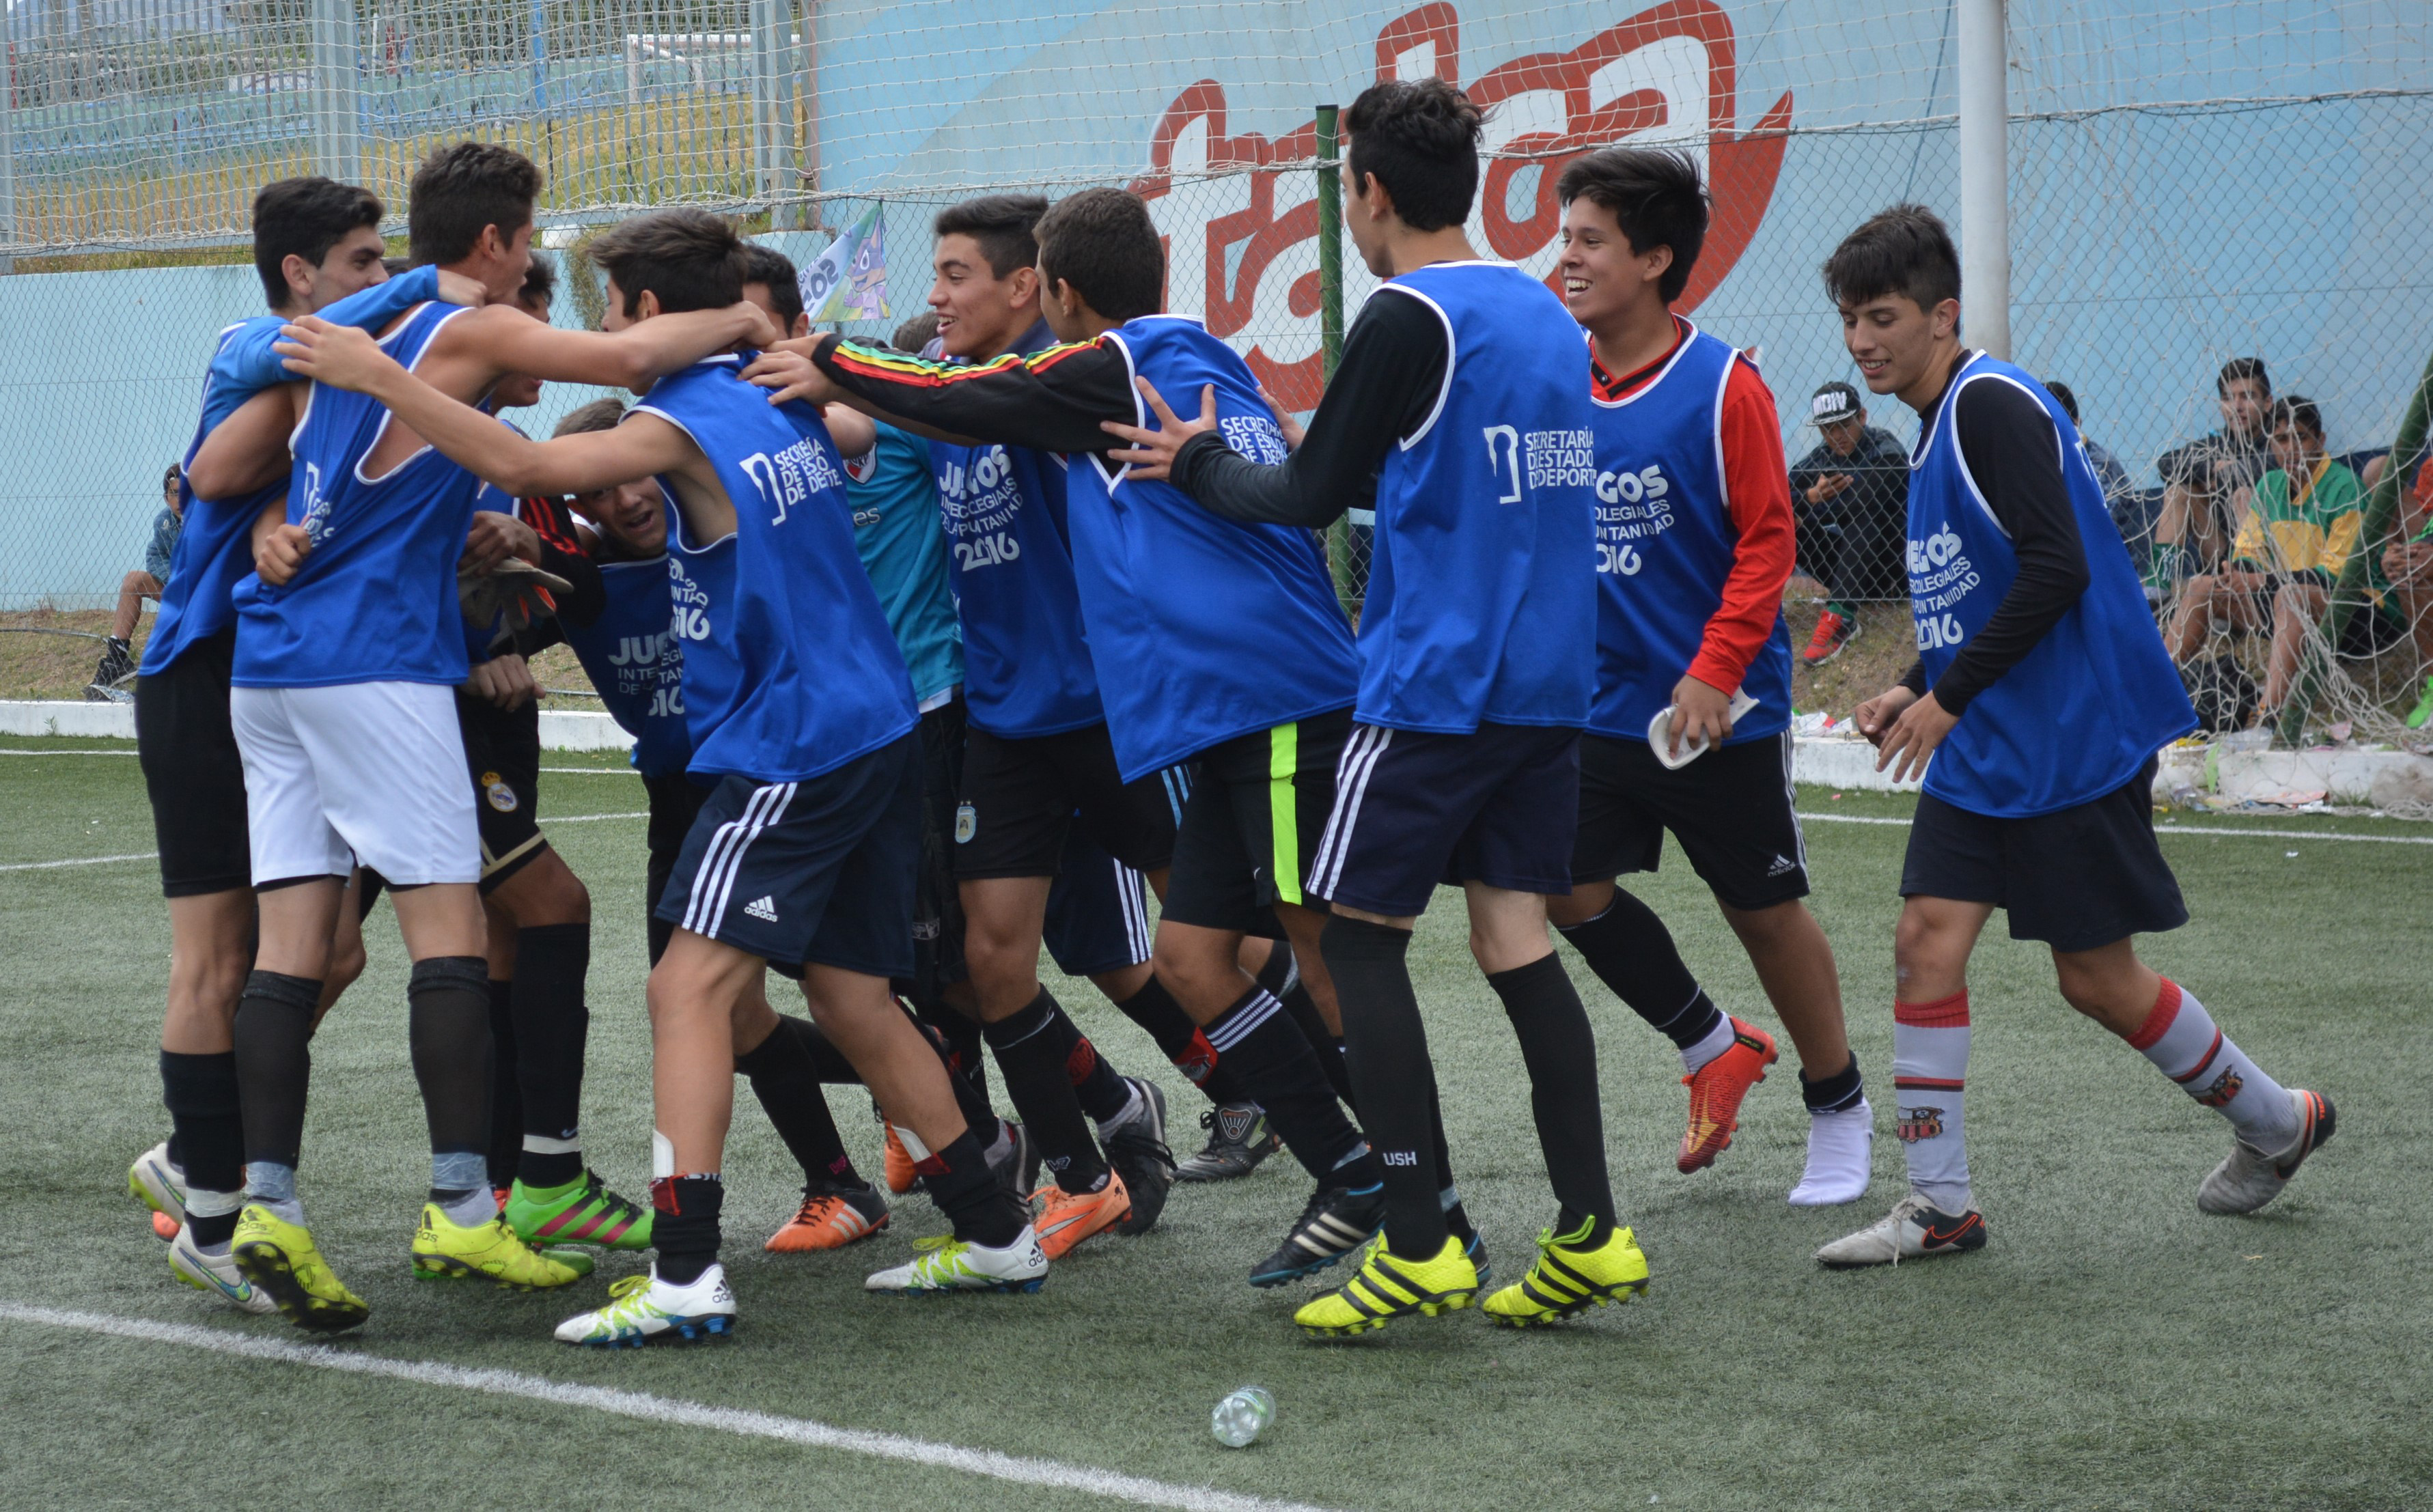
1500,806
1098,912
817,872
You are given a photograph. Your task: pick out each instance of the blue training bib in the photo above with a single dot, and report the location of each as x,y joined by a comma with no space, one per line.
636,662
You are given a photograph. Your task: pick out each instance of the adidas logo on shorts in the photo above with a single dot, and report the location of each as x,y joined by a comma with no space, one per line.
1781,864
764,909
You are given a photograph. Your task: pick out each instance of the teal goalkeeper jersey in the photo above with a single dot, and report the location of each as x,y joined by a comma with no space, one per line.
902,539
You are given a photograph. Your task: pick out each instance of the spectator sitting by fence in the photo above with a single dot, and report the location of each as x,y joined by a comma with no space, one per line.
2121,498
2208,483
1849,500
118,657
2408,564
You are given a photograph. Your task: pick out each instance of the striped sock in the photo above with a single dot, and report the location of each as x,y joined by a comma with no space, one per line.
1930,1076
2180,1037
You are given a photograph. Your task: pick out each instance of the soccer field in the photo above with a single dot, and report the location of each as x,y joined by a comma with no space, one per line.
2112,1347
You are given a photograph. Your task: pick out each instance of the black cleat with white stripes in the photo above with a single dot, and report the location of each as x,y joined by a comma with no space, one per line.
1337,1223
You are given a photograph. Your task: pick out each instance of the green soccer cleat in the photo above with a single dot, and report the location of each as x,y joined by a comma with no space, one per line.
444,1251
1390,1286
950,1264
581,1212
280,1260
1565,1281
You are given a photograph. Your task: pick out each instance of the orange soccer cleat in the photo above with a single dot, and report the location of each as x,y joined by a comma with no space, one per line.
1067,1218
900,1172
831,1219
1715,1092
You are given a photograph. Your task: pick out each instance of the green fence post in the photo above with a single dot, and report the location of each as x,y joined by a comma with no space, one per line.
1330,312
2348,597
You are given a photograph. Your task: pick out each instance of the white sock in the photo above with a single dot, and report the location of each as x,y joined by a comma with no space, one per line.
1131,1109
1717,1042
2182,1041
1930,1075
1841,1146
473,1209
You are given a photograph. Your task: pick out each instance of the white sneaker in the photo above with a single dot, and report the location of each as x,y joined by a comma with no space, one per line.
643,1308
1840,1150
950,1264
2250,1177
159,1186
1914,1229
216,1274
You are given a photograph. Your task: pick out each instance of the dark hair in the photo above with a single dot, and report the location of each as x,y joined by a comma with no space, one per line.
600,414
2069,402
1103,244
396,266
1654,197
1420,139
915,334
173,477
458,190
541,281
1905,250
690,259
304,217
767,266
2300,412
2250,368
1002,224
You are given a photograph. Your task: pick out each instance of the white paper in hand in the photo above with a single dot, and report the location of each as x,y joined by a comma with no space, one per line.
1660,733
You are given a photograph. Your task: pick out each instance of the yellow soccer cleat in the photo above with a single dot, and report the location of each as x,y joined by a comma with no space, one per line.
280,1260
442,1249
1390,1286
1565,1281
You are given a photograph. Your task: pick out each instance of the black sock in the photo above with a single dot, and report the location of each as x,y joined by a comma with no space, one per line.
1273,1059
1329,1044
274,1062
1839,1093
1448,1195
448,1034
1631,951
958,1180
506,1098
684,1225
971,1093
1100,1092
829,1064
1032,1060
1560,1051
962,1037
1181,1041
208,1135
553,961
1392,1070
786,1079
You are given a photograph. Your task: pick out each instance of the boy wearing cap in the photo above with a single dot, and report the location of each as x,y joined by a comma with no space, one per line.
1849,492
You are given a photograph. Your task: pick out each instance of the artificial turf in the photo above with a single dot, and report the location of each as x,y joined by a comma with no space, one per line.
2112,1347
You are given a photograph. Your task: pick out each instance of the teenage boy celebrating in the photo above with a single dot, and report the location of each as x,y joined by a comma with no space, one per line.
1216,643
2042,692
798,704
1477,670
1694,546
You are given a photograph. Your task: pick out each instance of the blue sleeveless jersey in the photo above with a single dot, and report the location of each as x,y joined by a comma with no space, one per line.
2080,714
1665,544
214,549
1202,629
375,598
1026,668
788,667
636,662
1481,607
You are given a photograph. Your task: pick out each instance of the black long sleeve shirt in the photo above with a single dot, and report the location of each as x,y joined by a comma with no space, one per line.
2013,453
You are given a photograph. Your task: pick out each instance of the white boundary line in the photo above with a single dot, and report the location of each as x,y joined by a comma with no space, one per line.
2183,829
146,856
642,1406
66,752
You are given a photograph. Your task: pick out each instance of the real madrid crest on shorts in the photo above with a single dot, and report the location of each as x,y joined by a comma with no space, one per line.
503,797
967,824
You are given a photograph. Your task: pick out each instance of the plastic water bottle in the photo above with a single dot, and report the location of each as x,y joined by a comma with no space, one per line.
1242,1417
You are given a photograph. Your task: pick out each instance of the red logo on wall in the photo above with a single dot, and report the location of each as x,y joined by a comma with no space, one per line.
1242,247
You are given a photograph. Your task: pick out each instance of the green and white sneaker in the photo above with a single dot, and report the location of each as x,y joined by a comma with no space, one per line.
2423,713
159,1186
950,1264
643,1308
216,1274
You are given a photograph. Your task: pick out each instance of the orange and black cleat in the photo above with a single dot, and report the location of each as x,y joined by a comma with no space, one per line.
1715,1092
900,1171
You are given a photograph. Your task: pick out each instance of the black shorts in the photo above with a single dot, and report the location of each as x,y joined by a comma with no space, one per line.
502,758
1499,806
1258,808
2076,880
192,772
1730,812
675,803
812,873
1020,796
2370,633
1098,912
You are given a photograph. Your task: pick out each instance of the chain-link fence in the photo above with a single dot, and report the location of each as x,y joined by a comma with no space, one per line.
2187,185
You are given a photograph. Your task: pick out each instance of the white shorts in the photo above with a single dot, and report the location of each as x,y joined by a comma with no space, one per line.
361,773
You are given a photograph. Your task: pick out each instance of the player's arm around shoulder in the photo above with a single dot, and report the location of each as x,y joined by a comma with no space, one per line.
249,450
476,349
